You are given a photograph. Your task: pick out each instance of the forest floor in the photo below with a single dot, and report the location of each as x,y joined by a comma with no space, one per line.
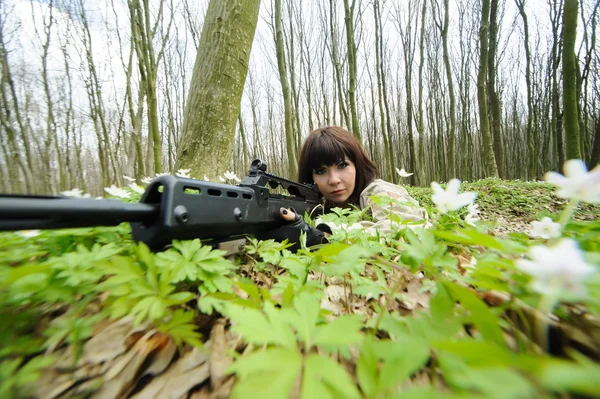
513,204
118,360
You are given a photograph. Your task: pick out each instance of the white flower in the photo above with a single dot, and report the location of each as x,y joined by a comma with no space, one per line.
76,192
450,199
231,176
183,173
116,191
146,180
205,178
136,188
472,209
561,267
577,182
28,233
129,179
222,179
471,217
160,174
545,228
403,173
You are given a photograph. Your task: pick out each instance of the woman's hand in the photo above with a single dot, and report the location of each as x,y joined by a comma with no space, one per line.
294,227
287,214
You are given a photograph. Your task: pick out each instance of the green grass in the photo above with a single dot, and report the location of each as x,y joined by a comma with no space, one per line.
514,200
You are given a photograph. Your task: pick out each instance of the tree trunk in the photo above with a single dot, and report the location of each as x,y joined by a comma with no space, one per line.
489,160
285,89
349,21
420,170
220,70
570,101
531,148
494,101
452,170
383,115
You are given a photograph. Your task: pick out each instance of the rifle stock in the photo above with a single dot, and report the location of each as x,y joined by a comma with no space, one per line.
172,208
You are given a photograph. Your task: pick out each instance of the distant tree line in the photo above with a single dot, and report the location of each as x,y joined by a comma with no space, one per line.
93,91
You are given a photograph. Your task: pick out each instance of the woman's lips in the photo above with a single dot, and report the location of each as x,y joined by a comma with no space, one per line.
337,192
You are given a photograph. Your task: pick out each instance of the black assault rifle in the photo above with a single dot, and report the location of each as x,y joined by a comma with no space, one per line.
172,208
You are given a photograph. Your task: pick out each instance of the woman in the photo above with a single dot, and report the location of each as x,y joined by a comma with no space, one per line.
334,160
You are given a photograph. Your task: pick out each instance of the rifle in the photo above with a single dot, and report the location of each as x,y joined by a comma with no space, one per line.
171,208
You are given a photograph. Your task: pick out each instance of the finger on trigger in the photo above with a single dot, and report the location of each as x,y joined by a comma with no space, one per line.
287,214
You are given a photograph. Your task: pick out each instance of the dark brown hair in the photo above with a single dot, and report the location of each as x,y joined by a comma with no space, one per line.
329,146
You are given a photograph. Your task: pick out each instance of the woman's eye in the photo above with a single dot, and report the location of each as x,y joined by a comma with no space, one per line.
319,171
342,165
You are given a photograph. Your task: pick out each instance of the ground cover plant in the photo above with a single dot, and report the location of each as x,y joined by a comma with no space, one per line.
499,297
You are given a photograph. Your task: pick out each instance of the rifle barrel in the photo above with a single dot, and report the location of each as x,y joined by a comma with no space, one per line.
40,212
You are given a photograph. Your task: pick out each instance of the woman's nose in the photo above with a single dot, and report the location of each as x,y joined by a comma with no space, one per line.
334,178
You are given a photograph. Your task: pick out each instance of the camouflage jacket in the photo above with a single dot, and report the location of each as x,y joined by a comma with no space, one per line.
390,207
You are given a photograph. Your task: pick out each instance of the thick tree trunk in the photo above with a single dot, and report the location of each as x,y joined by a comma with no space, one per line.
220,70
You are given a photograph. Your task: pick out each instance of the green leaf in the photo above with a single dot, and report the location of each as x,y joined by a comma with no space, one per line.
441,305
342,331
564,376
486,322
367,368
259,329
270,373
432,393
402,358
324,378
181,327
304,316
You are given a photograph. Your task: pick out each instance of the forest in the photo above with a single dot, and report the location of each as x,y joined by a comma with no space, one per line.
92,91
482,115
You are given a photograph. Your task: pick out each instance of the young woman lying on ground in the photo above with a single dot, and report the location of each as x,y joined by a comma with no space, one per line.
335,161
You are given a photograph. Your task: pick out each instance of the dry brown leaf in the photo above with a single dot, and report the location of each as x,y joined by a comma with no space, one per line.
129,368
218,359
189,371
108,343
412,298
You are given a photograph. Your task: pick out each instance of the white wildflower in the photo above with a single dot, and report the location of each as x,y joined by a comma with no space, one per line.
136,188
76,192
222,179
473,209
449,199
129,179
561,267
577,182
545,228
160,174
205,178
116,191
28,233
183,173
471,217
147,180
231,176
403,173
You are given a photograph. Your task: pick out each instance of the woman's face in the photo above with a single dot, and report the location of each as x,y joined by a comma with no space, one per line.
336,182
